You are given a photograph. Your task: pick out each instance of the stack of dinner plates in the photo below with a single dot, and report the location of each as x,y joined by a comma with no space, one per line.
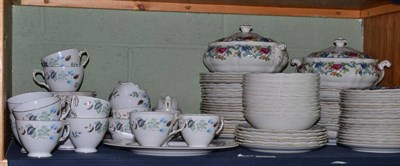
222,95
370,120
330,111
281,141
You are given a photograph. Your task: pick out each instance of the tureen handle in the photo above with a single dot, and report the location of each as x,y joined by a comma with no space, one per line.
279,51
381,67
297,63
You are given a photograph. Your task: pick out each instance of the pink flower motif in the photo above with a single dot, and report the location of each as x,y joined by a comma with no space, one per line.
265,50
221,50
248,38
353,55
337,66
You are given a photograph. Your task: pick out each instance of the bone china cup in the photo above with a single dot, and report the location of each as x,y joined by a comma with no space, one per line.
25,97
69,57
200,129
40,137
120,130
123,113
152,128
86,134
60,78
89,107
44,109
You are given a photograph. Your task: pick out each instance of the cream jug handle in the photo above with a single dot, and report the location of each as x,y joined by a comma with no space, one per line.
297,63
381,67
84,53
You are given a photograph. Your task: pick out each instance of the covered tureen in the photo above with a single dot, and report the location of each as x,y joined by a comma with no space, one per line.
245,52
343,67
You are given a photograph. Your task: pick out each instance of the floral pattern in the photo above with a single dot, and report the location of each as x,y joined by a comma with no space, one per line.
41,132
70,77
239,51
153,124
96,127
339,69
201,125
59,61
345,54
44,115
119,126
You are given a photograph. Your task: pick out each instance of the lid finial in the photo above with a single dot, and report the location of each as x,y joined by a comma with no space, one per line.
340,42
246,28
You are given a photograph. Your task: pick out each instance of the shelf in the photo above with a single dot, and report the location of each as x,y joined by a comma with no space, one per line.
108,155
307,8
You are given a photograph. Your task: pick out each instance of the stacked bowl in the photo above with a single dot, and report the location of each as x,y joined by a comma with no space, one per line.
281,102
125,98
330,111
369,120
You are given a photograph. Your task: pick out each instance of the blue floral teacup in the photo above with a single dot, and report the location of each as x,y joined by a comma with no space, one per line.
152,128
39,138
44,109
60,78
88,107
69,57
200,129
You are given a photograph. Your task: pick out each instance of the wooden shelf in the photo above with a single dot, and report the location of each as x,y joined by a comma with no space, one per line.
307,8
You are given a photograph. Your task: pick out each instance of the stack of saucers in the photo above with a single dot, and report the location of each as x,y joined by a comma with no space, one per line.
222,95
369,120
330,111
281,141
280,102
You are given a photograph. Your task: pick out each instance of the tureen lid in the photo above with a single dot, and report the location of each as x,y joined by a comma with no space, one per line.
339,50
244,36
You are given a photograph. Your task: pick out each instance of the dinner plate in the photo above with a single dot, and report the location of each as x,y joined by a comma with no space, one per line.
174,148
279,149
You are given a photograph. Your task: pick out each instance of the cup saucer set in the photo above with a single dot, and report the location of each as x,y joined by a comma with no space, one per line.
42,121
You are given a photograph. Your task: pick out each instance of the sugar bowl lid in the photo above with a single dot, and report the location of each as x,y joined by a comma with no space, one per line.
244,36
339,50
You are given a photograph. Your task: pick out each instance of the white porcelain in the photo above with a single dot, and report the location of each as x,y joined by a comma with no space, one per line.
123,113
15,133
128,95
200,129
245,52
60,78
87,133
120,130
285,122
39,138
152,128
25,97
167,103
89,107
343,67
43,109
68,57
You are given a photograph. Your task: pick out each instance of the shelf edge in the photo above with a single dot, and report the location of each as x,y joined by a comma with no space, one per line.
380,10
195,8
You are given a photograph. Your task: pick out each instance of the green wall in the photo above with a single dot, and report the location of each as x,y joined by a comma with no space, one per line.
160,51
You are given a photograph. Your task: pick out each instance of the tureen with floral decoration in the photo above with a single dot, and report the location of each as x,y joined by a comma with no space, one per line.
245,52
343,67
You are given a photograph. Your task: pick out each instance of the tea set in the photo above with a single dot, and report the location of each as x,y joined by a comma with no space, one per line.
68,119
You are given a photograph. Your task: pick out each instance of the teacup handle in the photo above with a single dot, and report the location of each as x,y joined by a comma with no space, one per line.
221,125
67,109
40,72
66,131
84,53
174,132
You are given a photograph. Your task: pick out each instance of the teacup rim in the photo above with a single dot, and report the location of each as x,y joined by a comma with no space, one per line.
57,52
59,99
22,94
92,97
39,121
50,67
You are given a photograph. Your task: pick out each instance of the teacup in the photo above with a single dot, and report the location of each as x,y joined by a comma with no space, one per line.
25,97
120,130
123,113
15,133
44,109
200,129
86,133
152,128
60,78
89,107
40,137
69,57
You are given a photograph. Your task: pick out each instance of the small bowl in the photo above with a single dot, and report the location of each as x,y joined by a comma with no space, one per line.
285,122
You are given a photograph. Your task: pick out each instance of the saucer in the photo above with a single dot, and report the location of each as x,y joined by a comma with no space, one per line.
174,148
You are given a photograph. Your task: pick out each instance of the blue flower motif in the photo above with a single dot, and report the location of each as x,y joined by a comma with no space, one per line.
53,110
364,65
210,121
319,65
69,82
209,130
163,130
53,126
51,138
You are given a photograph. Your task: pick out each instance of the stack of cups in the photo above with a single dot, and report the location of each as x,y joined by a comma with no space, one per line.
36,122
88,119
63,70
126,97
